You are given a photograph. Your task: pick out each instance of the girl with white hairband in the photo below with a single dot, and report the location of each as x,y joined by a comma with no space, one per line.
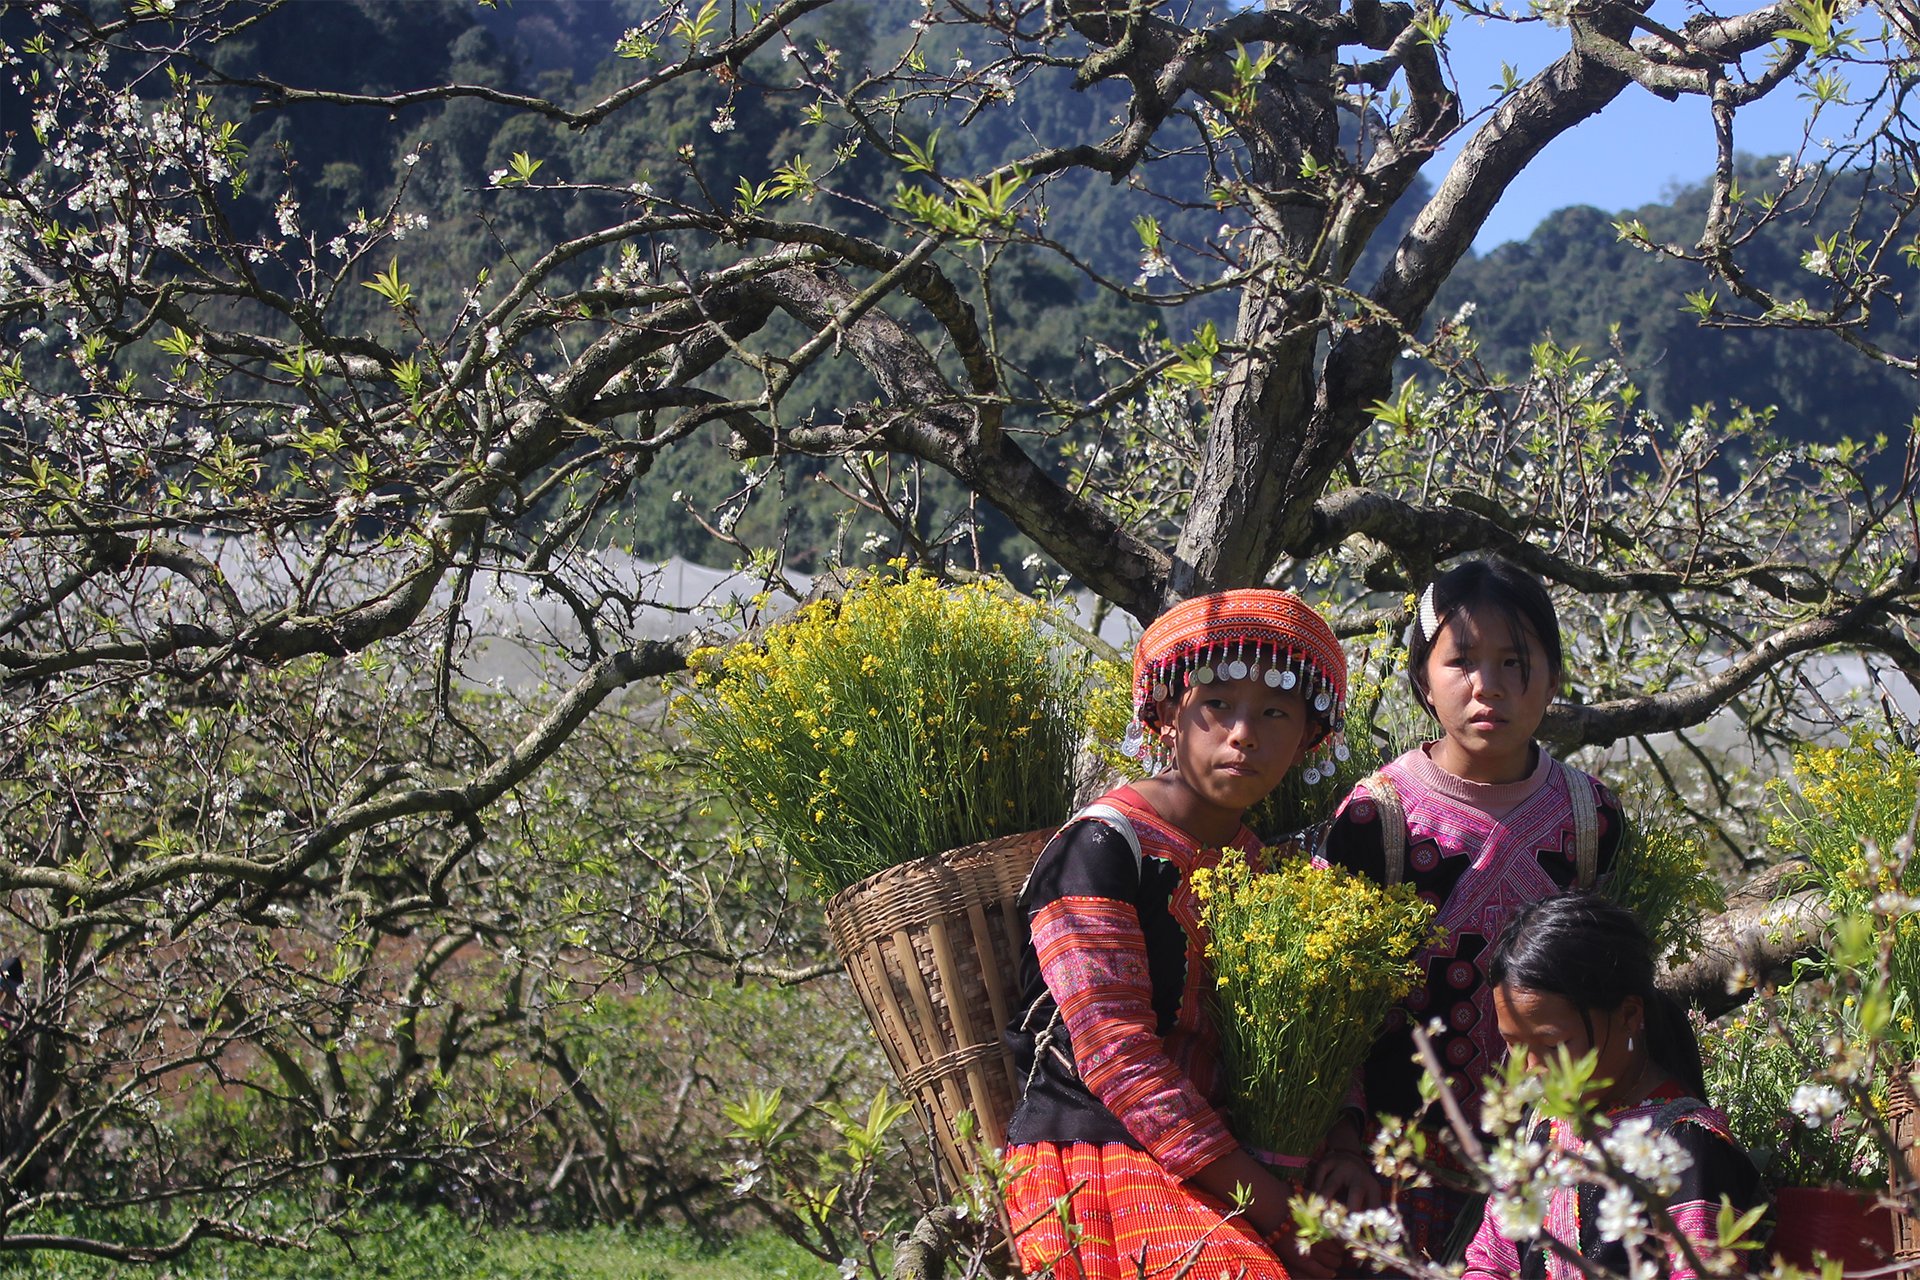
1482,821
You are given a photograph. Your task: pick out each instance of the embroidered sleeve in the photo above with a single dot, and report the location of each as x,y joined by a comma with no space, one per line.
1490,1255
1353,839
1094,959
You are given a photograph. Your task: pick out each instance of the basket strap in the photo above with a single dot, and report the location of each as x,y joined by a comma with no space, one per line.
1393,825
1098,812
1586,825
1119,821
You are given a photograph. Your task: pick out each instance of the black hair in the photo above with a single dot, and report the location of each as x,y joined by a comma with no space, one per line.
1518,596
1593,952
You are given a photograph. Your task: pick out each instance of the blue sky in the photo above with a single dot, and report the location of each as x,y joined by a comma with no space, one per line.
1626,156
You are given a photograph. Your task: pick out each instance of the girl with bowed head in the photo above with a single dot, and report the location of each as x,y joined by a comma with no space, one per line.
1119,1131
1482,821
1574,972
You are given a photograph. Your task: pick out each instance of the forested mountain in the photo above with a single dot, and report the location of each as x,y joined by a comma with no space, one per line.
1573,278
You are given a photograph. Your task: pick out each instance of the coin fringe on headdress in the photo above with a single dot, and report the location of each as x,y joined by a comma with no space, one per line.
1206,638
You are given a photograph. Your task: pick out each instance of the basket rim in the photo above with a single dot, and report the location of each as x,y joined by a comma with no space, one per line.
934,862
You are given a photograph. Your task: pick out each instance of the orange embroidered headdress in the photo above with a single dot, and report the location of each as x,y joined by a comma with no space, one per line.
1250,634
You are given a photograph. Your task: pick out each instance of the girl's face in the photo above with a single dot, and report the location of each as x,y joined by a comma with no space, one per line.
1234,740
1539,1023
1487,703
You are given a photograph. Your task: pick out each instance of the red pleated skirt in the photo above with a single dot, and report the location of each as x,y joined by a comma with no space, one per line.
1125,1217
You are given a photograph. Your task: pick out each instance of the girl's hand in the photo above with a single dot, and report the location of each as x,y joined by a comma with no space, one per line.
1320,1262
1344,1171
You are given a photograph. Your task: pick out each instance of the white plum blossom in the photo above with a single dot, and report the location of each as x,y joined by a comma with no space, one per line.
1816,1104
1621,1218
1153,264
722,120
1519,1198
1518,1216
1654,1158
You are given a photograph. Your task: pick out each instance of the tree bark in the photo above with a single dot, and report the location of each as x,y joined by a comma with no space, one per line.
1770,922
922,1254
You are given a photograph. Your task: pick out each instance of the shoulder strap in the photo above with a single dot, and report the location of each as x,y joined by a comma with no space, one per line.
1586,824
1112,816
1116,818
1393,825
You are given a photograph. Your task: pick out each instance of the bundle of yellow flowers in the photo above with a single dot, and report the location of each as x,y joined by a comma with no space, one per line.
906,717
1307,961
1847,809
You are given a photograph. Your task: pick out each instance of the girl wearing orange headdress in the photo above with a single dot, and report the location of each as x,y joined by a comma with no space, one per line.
1124,1166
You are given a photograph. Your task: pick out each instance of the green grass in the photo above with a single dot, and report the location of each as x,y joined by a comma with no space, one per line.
601,1254
434,1245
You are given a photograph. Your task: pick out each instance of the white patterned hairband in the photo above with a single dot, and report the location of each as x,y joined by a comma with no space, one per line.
1429,620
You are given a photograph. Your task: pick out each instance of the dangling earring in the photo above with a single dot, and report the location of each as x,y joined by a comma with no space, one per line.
1629,1044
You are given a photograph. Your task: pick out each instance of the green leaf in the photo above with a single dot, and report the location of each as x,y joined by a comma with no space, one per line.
389,286
695,30
751,197
179,344
1734,1225
757,1120
1403,413
521,168
1195,366
1433,28
1814,27
636,44
919,159
794,178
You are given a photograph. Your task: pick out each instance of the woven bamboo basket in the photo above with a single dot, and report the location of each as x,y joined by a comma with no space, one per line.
933,947
1903,1120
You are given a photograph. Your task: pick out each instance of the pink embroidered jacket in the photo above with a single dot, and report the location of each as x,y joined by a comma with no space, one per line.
1477,870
